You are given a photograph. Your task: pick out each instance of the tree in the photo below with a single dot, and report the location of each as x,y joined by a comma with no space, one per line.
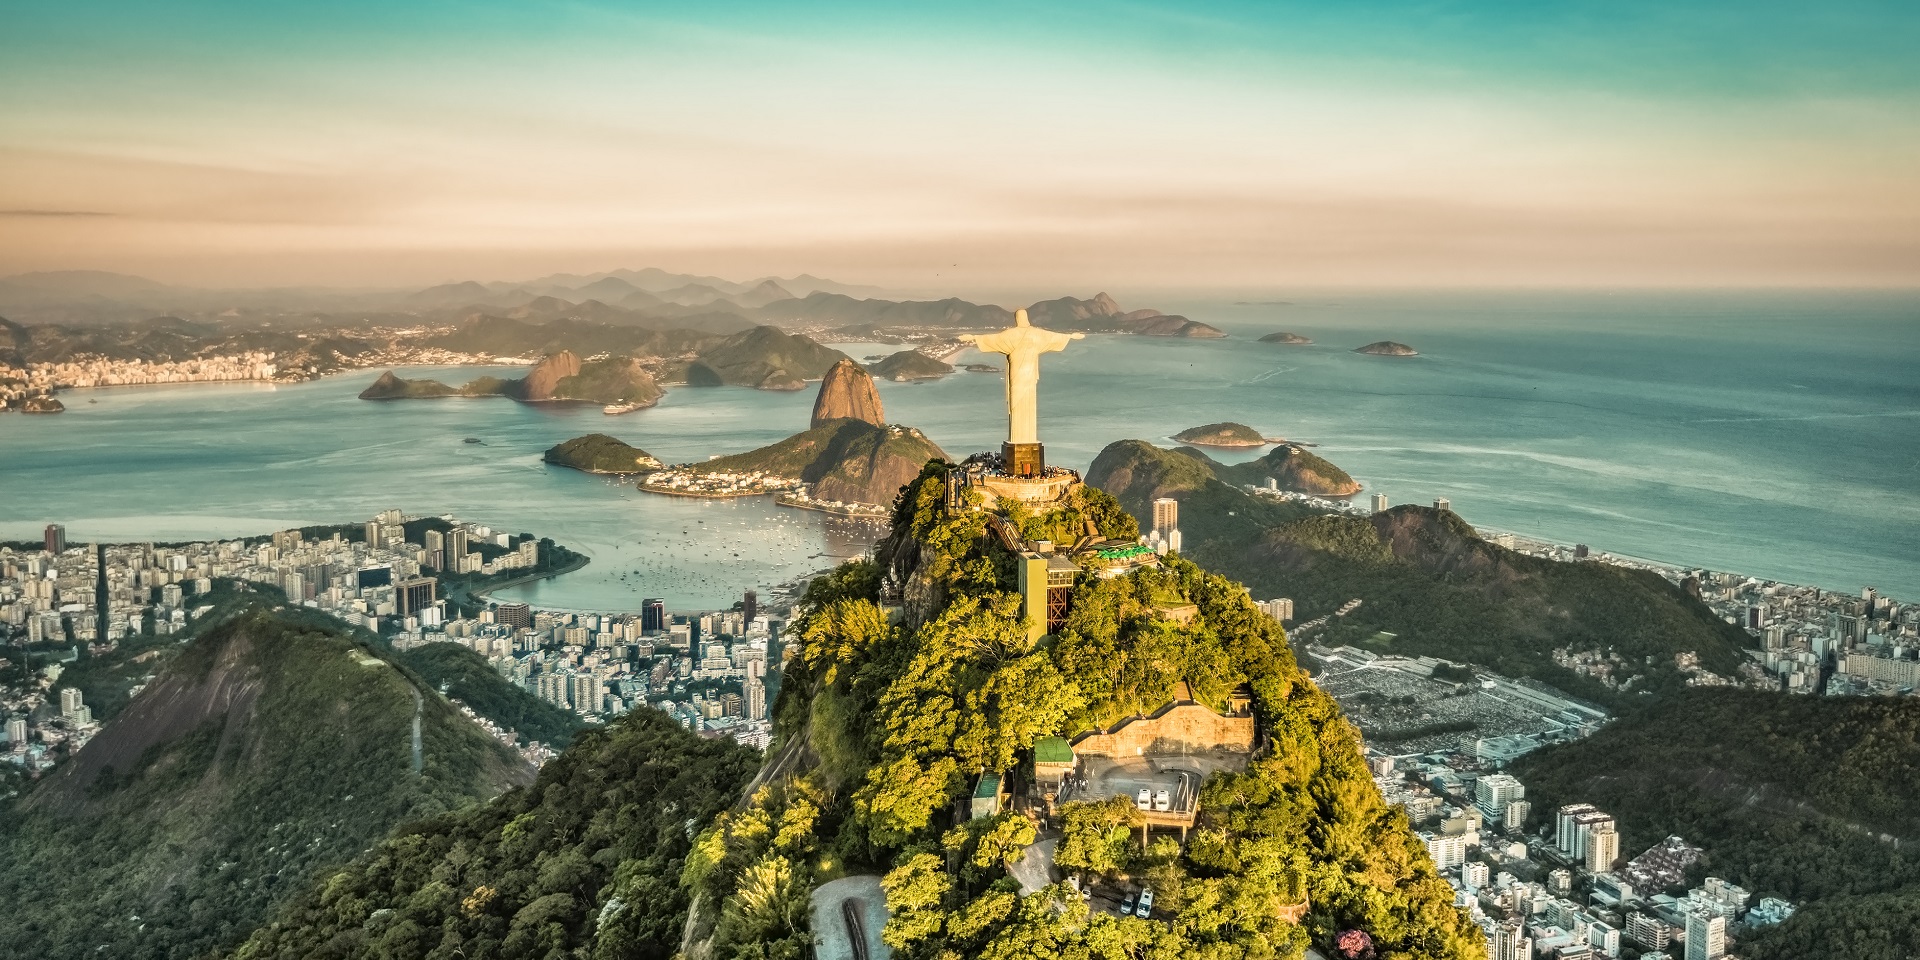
1097,836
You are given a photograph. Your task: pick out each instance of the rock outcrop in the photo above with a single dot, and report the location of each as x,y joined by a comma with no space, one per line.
541,381
847,393
1290,339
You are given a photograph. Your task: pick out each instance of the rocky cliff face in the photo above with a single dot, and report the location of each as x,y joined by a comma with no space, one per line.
547,374
848,393
874,471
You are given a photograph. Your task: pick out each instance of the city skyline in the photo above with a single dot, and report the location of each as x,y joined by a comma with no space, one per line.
1219,147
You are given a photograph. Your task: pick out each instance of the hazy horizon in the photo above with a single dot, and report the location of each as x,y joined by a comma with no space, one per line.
1152,147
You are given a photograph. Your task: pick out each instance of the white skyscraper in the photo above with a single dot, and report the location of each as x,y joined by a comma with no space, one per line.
1706,936
1379,502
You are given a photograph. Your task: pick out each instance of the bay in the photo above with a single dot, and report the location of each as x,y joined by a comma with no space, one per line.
1775,434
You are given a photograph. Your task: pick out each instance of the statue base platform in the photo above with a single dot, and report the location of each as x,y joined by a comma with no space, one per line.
1031,490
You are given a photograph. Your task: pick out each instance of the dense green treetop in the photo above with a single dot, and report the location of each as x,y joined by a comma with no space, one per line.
466,676
584,863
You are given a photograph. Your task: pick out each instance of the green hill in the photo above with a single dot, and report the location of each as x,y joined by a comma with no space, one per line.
272,748
1222,435
1428,578
762,357
911,365
599,453
584,863
847,460
466,676
883,723
1293,467
1792,796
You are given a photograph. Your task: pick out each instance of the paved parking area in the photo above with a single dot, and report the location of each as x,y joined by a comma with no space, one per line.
1180,776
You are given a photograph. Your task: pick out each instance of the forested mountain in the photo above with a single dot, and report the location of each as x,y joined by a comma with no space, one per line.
883,724
1811,799
1426,577
584,863
273,747
463,675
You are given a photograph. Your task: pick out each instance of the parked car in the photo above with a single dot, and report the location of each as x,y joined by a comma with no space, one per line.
1144,800
1162,801
1146,904
1126,903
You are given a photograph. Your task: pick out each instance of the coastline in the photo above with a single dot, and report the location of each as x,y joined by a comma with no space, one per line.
579,560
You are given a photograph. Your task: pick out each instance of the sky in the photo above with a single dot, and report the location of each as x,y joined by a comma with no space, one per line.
971,148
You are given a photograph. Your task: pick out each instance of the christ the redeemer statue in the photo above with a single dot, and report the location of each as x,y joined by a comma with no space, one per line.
1022,344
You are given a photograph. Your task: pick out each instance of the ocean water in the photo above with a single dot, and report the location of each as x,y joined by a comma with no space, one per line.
1773,434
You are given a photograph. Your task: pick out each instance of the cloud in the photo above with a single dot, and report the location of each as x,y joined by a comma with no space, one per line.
56,213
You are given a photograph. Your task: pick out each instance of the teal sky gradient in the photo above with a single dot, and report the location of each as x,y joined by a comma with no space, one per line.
993,146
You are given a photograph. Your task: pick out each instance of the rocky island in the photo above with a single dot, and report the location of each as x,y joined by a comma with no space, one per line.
1387,348
911,365
1291,339
1222,435
599,453
560,378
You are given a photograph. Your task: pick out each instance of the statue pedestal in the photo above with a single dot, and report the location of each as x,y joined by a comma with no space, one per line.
1037,490
1026,461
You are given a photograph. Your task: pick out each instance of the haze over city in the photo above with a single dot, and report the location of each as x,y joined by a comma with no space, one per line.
985,151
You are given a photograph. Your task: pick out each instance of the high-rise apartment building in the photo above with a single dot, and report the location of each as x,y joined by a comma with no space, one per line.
1706,936
1603,848
55,538
414,594
70,702
436,550
1509,941
586,693
750,606
1166,515
653,616
1493,792
1648,932
519,616
1380,503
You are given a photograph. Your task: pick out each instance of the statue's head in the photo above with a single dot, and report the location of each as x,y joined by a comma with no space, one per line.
1020,319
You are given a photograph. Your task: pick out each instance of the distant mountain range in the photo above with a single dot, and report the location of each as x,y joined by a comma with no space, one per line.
648,297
